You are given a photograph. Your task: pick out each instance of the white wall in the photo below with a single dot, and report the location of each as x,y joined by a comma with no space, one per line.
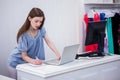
63,24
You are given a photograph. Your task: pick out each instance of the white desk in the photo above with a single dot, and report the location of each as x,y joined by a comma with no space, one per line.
5,78
107,68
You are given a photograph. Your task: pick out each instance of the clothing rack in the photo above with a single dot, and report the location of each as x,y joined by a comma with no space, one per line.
102,6
111,9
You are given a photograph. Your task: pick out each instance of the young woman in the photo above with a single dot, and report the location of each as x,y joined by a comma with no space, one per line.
30,42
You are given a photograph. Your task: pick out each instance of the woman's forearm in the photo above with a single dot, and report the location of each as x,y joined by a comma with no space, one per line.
30,60
52,46
25,57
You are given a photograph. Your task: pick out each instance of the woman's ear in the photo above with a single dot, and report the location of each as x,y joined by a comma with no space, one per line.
29,18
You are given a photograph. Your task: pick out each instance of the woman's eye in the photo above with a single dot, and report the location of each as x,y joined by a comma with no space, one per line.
36,21
40,21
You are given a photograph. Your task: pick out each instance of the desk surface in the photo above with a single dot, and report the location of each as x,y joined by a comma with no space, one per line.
45,70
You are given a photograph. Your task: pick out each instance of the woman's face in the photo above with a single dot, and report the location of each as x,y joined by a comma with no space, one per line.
35,22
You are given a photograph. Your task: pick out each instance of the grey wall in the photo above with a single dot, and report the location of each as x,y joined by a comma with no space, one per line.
62,23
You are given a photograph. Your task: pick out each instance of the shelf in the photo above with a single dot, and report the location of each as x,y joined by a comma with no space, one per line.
105,5
102,3
98,1
89,6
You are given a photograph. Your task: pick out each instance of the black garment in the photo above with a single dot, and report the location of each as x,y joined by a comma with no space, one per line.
115,28
119,37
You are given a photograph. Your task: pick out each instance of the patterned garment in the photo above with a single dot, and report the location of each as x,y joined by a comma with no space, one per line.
119,37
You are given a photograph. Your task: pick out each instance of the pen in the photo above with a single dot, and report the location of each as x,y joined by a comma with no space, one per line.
36,57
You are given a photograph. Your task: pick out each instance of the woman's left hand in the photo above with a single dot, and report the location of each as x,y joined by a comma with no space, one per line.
58,56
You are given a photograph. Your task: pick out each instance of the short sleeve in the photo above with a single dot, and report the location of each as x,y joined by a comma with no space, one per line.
43,32
22,44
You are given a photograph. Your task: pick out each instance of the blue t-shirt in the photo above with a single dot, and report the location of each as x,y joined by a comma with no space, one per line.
33,46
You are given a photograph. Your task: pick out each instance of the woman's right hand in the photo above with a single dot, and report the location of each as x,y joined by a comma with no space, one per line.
31,60
36,61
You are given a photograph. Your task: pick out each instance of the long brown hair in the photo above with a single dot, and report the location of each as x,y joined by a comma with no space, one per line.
35,12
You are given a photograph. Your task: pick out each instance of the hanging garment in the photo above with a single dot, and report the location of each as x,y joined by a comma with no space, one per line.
115,27
119,39
110,37
102,16
86,20
106,45
106,41
96,17
93,47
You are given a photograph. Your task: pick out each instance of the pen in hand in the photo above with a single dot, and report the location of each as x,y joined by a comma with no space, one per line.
36,58
38,61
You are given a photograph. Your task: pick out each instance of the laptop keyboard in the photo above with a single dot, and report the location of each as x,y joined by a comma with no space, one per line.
53,61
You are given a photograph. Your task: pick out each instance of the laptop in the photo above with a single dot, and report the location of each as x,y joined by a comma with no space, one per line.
68,55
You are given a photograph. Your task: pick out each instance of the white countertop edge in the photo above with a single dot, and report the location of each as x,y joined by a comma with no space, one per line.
72,68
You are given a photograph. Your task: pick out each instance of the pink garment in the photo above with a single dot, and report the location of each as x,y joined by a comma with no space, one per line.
96,17
86,20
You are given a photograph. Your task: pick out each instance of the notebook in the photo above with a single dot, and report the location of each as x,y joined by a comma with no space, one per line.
68,55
